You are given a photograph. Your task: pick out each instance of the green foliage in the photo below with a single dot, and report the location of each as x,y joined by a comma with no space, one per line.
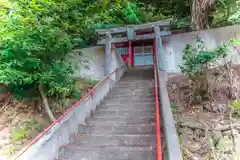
37,36
174,106
180,22
23,131
235,107
226,13
133,14
196,62
19,134
169,8
10,150
36,56
222,12
39,127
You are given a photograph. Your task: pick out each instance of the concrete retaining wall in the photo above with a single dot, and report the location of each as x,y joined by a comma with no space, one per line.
89,63
174,45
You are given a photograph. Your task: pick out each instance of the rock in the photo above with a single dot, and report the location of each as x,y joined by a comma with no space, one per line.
174,86
222,122
199,133
196,139
222,127
184,86
185,130
207,107
192,125
186,138
224,156
238,128
214,108
217,135
205,148
219,108
222,108
191,146
227,133
4,119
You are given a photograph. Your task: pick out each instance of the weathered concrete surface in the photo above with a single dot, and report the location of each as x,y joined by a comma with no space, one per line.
120,128
174,45
170,134
108,153
125,113
113,140
93,58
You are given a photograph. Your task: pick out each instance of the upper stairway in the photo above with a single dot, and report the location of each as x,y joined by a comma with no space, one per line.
123,125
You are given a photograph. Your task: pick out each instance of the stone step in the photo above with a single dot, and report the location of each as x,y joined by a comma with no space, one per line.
127,90
136,78
117,129
130,94
128,80
124,113
134,86
121,121
133,83
107,153
132,89
119,107
131,106
119,97
128,117
112,140
128,100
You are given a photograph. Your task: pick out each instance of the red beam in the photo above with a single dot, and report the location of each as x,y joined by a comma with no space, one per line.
121,44
130,53
142,33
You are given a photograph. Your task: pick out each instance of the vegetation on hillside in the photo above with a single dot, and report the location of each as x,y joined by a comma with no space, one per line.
37,36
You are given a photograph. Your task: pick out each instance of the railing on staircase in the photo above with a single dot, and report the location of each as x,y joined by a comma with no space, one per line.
158,128
45,146
173,151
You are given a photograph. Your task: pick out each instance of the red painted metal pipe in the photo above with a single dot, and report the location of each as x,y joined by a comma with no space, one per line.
130,53
158,128
92,91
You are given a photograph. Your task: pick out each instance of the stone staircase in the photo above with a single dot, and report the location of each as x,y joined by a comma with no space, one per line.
123,125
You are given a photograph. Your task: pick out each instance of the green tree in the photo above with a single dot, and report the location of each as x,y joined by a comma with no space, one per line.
38,35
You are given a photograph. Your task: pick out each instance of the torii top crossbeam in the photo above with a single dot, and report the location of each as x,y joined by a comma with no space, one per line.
128,32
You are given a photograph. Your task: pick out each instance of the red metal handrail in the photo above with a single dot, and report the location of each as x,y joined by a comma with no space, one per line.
69,110
158,128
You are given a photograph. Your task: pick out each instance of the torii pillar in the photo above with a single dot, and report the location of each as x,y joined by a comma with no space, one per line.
159,48
108,48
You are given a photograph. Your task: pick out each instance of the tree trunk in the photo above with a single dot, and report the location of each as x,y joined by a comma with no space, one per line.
200,10
46,104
